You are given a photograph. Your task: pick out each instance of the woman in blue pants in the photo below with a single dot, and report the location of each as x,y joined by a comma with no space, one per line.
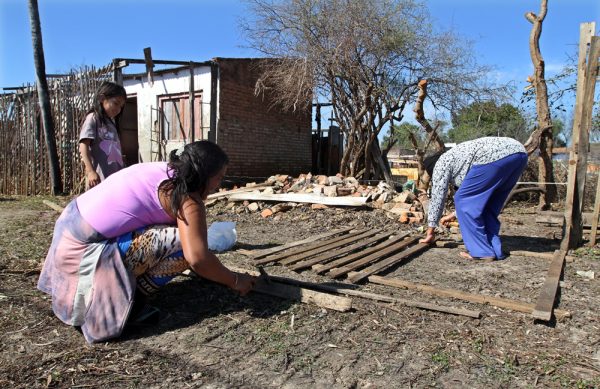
484,170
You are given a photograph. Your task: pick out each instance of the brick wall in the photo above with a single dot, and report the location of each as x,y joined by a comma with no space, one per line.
259,140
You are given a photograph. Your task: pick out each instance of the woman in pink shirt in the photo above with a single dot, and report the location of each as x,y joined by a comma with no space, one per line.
126,237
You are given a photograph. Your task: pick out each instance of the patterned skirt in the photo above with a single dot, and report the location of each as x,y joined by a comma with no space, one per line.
92,279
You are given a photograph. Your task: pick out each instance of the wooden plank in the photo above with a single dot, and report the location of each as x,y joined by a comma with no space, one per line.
397,246
54,206
257,254
537,255
238,190
316,245
281,287
545,302
295,293
346,289
499,302
302,198
572,229
334,245
388,262
345,260
344,250
586,123
595,214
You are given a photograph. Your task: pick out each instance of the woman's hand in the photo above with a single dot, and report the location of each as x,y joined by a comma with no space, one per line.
429,236
447,219
93,178
243,283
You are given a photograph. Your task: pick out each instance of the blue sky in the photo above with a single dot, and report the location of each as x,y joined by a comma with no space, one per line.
92,32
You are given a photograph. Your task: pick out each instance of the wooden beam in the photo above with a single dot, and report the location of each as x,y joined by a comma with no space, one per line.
499,302
595,214
54,206
320,269
226,193
388,262
191,104
347,290
572,230
295,293
537,255
336,253
149,65
397,246
545,302
313,246
302,198
281,287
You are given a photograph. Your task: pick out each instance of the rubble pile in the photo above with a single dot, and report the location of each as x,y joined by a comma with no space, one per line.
407,206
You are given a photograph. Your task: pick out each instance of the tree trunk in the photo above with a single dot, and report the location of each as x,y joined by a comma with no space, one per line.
44,98
544,131
432,135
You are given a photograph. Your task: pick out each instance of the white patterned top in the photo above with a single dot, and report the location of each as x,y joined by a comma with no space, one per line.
453,166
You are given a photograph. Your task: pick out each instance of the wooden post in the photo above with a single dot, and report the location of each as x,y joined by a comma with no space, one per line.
191,134
573,230
149,65
595,214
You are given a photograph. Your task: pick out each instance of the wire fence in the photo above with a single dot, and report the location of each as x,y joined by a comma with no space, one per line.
23,153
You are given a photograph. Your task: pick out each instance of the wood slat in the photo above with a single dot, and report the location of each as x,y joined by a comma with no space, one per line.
342,270
351,238
350,258
313,246
388,262
344,250
499,302
545,302
347,290
301,198
263,253
295,292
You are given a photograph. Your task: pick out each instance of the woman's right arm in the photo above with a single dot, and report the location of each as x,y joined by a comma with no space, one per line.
86,157
194,242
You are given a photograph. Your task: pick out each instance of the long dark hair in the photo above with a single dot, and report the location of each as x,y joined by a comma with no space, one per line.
430,162
189,171
106,90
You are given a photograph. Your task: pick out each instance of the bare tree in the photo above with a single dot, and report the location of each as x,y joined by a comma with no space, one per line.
367,57
542,136
44,98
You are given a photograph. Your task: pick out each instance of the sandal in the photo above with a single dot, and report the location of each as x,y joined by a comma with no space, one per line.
466,255
148,315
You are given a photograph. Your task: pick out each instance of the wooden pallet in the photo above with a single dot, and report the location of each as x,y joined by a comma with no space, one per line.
364,251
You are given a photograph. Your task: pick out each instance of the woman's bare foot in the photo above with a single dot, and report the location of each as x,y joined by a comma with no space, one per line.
466,255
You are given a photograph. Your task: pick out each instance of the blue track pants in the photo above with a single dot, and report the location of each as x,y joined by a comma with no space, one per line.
479,201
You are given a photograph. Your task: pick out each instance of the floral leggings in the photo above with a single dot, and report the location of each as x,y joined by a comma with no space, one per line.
154,255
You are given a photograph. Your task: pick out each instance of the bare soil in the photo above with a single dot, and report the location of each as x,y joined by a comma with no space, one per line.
210,337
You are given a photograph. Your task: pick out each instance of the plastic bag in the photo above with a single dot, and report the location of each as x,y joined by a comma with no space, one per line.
221,236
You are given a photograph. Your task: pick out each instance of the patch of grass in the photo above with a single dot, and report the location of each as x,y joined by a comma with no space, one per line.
478,344
442,359
588,252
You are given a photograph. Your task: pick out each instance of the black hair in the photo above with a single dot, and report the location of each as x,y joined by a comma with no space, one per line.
189,170
106,90
429,162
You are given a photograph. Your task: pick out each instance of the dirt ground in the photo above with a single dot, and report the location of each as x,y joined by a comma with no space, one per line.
210,337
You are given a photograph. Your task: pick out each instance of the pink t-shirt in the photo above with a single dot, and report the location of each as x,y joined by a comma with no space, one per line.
126,200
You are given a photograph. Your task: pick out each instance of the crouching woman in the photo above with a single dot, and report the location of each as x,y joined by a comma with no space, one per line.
131,234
